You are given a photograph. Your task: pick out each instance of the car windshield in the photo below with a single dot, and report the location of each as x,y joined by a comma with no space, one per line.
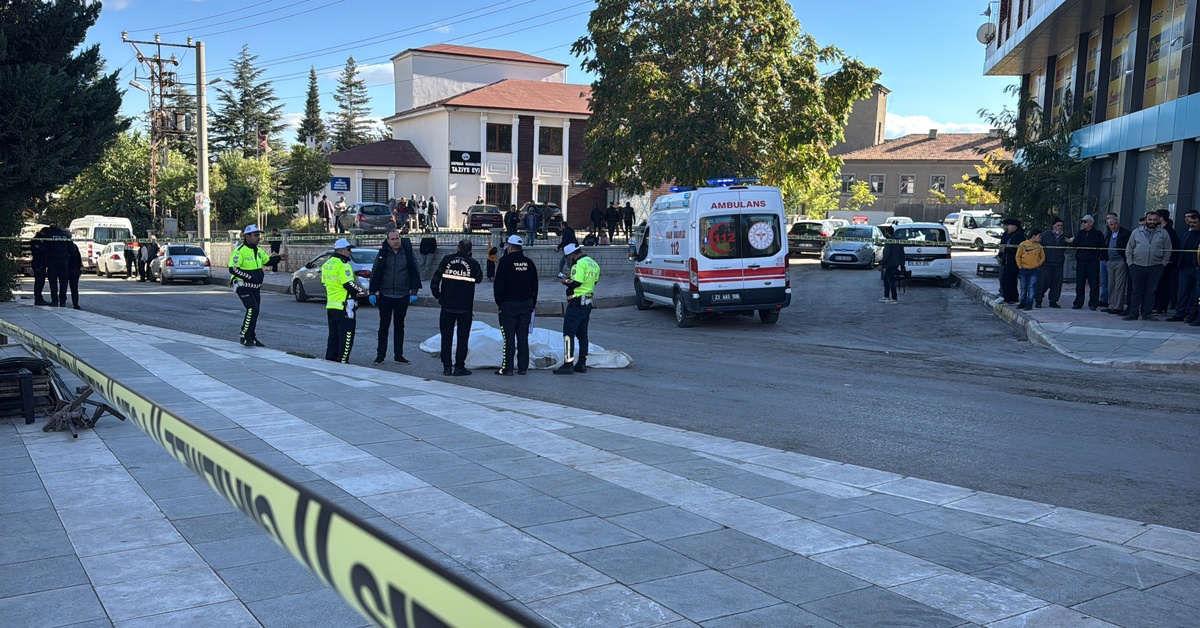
375,210
185,250
363,256
859,233
483,209
917,234
990,221
805,228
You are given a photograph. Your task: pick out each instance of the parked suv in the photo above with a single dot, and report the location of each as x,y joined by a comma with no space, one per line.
370,217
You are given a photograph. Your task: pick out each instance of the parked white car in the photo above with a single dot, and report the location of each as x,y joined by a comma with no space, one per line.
111,260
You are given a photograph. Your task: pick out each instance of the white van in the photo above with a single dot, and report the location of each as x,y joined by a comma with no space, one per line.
976,229
91,233
715,250
926,251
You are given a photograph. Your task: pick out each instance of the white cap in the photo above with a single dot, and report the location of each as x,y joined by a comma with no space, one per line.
342,243
516,240
1087,218
570,248
251,229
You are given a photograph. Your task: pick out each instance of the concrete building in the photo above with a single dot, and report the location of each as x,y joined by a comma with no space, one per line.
1135,62
903,170
867,122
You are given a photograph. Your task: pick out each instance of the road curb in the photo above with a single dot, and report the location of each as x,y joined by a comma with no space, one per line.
1019,320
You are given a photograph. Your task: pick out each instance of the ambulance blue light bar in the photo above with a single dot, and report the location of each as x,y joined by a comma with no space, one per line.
682,188
728,181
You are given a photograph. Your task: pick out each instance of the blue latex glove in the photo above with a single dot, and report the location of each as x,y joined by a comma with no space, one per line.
412,299
372,299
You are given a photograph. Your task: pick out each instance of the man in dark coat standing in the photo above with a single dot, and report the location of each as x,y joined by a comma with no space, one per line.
37,249
74,271
395,281
58,259
1050,273
516,293
597,218
453,286
1009,243
612,216
627,218
567,237
1089,246
1167,293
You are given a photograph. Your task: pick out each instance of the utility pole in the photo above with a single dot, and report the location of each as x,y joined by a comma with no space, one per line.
174,122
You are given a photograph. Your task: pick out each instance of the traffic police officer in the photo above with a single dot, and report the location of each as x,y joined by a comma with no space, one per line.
246,273
341,291
581,285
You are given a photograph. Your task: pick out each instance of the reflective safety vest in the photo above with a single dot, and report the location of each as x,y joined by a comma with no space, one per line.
335,274
586,272
250,261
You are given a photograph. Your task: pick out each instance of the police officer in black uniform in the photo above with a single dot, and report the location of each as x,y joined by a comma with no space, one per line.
516,292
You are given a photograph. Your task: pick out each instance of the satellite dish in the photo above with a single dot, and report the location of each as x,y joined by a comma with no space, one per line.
986,33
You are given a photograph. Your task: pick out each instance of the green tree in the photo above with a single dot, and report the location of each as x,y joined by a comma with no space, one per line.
117,184
246,106
249,189
350,126
60,108
860,196
311,125
1046,177
308,172
691,89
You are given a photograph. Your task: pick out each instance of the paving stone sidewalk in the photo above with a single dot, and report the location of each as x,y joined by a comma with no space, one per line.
1089,336
585,519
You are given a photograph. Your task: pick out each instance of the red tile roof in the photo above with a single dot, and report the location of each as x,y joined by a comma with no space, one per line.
517,95
485,53
390,153
920,147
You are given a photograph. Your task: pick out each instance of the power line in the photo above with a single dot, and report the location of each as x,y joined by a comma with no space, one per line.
271,21
199,19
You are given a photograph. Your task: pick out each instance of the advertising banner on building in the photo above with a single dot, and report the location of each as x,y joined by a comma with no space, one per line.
1093,58
1122,62
1157,53
1064,80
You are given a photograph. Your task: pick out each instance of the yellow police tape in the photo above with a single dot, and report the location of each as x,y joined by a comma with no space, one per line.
388,583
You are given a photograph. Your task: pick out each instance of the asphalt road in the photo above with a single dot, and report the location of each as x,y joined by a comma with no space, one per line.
935,387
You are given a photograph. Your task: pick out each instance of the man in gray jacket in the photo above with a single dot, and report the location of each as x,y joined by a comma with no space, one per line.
1146,255
1050,273
395,281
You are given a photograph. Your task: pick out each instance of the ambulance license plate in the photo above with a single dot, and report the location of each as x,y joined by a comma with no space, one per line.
725,297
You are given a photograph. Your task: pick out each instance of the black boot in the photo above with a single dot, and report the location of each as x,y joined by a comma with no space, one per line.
566,369
581,365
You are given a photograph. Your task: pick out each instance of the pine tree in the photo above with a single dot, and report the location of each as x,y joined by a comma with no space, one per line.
349,125
60,108
246,107
312,124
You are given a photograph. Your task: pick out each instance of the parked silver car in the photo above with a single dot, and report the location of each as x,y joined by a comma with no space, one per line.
858,245
370,217
181,262
306,282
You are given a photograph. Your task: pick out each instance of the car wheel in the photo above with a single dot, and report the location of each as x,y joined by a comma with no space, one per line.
947,282
298,291
639,297
107,273
162,278
206,281
682,317
824,266
768,317
978,244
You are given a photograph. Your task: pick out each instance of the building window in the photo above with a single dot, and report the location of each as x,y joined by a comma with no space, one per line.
937,183
908,184
550,194
550,140
499,138
374,191
847,183
877,183
498,194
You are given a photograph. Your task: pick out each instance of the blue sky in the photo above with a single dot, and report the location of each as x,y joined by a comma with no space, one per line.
929,57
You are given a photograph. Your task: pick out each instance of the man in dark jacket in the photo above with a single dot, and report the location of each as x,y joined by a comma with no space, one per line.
1117,238
74,271
1167,295
567,237
58,258
457,298
1050,274
516,292
428,252
597,218
627,218
612,216
1187,306
1009,243
890,265
131,255
394,284
512,221
1089,245
37,250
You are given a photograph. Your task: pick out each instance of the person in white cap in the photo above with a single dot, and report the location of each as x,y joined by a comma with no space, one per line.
581,285
516,292
246,273
341,294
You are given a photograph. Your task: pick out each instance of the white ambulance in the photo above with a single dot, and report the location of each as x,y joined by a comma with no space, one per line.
718,249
